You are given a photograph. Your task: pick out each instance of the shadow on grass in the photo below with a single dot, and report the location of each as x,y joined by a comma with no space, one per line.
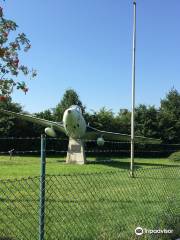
157,165
60,161
110,163
126,165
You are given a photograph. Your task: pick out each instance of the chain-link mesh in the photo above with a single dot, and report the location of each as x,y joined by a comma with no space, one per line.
103,205
19,208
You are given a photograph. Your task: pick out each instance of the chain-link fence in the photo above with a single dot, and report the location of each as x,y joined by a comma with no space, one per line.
58,146
102,205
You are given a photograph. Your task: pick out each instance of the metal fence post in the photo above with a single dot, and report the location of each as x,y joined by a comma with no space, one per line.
42,188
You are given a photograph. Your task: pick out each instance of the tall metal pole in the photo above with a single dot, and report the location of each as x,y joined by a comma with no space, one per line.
133,91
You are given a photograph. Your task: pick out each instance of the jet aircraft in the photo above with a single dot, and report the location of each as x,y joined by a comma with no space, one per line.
74,126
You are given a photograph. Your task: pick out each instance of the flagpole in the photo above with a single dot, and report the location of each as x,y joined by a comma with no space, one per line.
133,90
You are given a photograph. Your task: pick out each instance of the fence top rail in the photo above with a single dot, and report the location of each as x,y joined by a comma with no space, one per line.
13,151
59,139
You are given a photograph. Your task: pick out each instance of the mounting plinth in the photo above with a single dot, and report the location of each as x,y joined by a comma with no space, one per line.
76,153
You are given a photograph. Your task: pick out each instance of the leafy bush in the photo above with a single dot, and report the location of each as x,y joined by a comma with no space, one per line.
175,156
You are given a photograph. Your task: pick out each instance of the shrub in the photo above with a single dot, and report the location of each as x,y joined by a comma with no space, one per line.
175,156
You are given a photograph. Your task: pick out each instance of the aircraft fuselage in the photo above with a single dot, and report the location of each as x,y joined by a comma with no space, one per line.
74,123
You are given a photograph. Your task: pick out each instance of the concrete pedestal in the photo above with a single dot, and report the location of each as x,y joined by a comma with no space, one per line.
76,153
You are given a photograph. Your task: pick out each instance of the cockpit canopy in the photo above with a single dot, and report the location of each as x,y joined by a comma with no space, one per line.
77,108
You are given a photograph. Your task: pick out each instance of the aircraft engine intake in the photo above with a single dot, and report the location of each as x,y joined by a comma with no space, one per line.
50,132
100,141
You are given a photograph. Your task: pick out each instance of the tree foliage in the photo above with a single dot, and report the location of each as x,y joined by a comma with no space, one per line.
123,121
7,122
70,97
10,65
169,119
162,122
147,121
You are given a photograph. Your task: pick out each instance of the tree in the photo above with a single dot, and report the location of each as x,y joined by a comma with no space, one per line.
7,122
70,97
169,119
47,114
103,119
147,121
123,121
10,66
171,104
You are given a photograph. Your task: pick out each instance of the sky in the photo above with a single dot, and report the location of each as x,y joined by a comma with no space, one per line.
87,45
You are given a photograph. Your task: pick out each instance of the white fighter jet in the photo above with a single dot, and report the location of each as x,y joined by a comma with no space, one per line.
75,127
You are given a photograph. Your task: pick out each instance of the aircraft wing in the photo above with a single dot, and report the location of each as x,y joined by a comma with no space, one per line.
43,122
93,134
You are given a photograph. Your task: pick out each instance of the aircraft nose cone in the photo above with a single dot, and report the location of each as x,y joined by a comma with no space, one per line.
69,111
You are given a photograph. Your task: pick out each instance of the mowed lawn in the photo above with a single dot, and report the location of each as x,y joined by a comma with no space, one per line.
98,200
27,166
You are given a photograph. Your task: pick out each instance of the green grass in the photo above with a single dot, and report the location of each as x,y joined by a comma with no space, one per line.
25,166
93,201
